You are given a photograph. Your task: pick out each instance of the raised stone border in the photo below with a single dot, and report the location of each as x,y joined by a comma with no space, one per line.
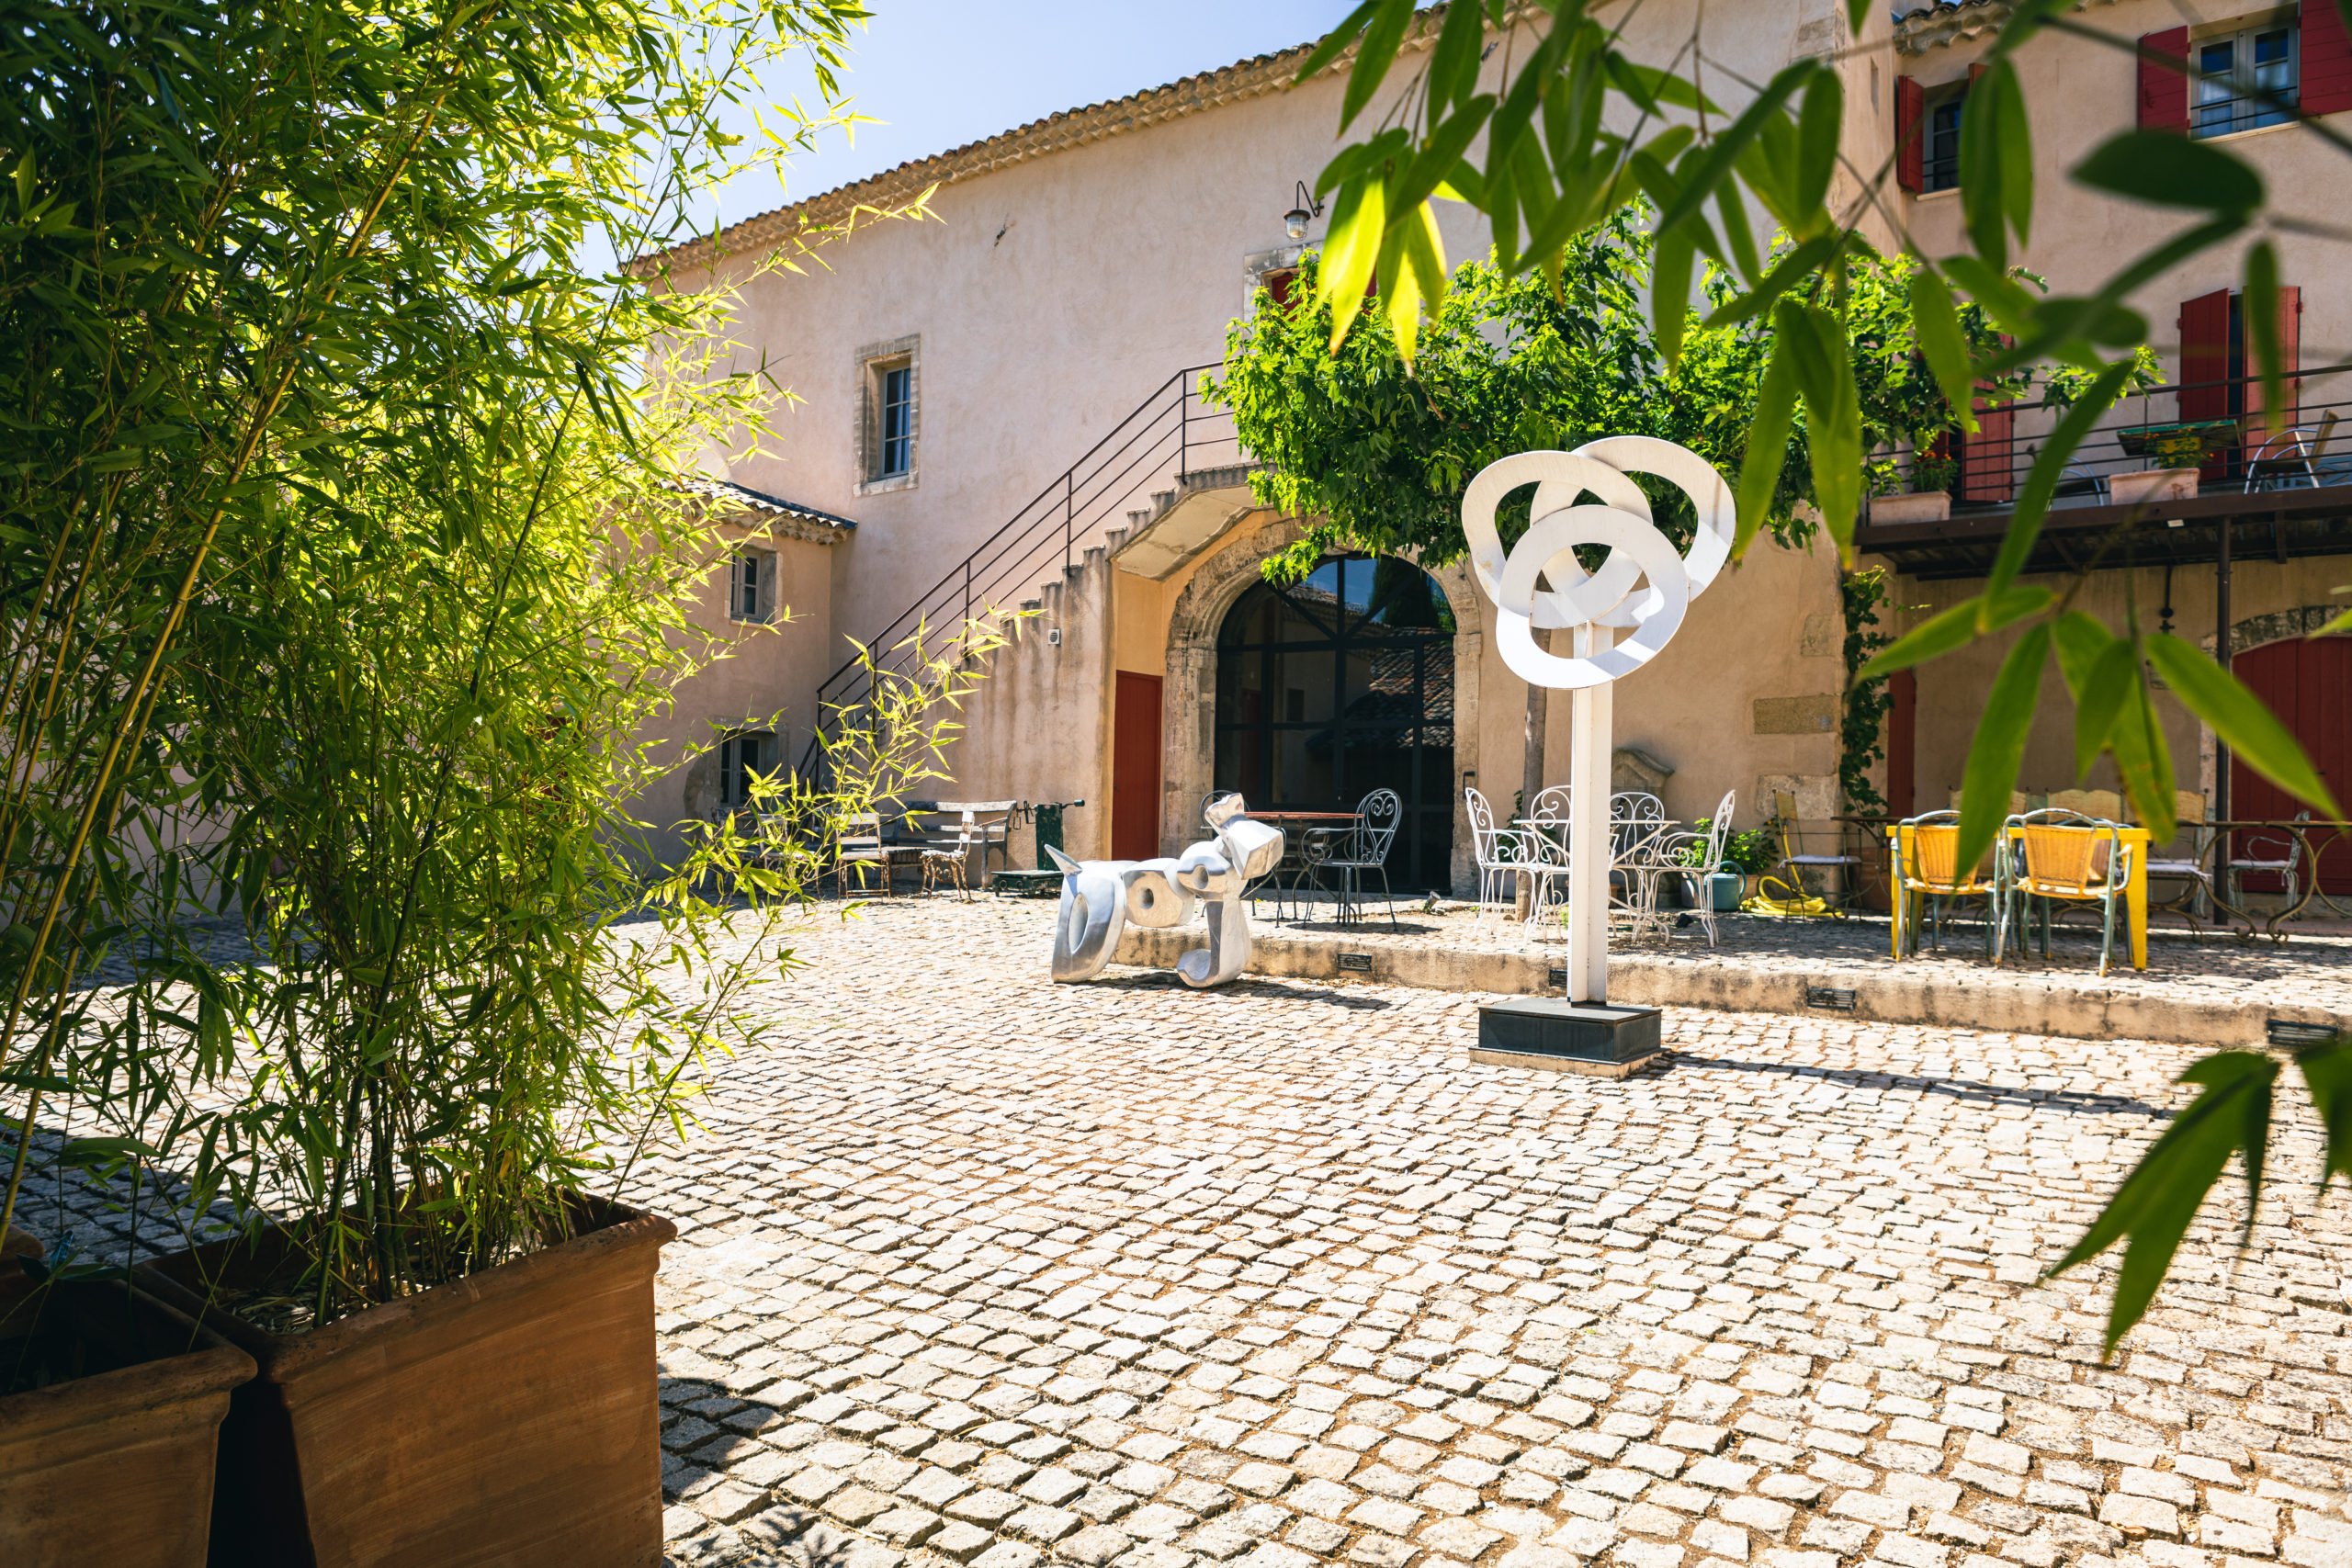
2079,1011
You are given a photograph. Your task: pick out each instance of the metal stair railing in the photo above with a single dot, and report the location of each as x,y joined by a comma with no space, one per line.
1166,437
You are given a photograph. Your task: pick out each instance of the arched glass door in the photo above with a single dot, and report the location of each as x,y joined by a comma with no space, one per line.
1340,685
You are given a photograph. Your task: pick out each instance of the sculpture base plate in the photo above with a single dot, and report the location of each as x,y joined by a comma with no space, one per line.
1553,1035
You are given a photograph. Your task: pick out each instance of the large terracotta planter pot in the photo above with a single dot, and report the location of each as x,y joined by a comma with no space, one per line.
510,1418
113,1469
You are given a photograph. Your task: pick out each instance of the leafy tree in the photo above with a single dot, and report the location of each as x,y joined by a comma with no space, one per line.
1377,452
1553,168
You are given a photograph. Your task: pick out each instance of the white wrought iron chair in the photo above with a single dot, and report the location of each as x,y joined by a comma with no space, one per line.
1638,845
1355,851
1505,854
2289,460
2260,858
1701,855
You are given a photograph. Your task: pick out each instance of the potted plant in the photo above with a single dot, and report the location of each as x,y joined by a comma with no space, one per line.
375,661
101,1385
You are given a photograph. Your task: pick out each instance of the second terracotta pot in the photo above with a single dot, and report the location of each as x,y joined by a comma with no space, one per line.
509,1418
110,1463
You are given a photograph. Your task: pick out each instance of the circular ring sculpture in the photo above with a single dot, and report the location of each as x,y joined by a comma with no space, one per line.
1643,584
1638,553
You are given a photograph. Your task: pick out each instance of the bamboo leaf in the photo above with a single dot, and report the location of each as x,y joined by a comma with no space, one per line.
2048,466
1998,750
2144,756
1352,249
1442,154
1338,40
1670,293
2261,315
1716,167
2158,1201
1380,37
1768,445
2172,171
1984,204
2250,731
2111,679
1943,344
1833,425
1819,124
1454,65
2327,1073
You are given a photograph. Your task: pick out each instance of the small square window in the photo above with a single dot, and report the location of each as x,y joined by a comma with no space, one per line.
1940,150
2246,81
742,755
751,585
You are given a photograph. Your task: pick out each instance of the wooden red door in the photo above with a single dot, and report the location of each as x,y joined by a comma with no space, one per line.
2309,685
1135,767
1902,742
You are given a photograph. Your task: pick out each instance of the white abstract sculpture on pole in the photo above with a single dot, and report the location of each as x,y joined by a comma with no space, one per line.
1644,583
1099,896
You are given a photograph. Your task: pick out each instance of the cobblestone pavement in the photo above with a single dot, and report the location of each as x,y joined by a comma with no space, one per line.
2312,968
979,1269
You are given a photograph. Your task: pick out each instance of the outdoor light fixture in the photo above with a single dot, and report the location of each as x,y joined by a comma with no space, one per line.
1306,211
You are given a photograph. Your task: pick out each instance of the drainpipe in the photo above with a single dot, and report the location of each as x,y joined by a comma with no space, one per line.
2221,657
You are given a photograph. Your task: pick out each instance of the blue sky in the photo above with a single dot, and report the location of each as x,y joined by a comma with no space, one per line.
941,72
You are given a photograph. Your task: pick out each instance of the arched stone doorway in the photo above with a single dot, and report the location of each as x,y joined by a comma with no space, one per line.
1189,714
1340,685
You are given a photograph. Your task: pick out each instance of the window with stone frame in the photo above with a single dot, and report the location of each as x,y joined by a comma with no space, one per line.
750,584
888,415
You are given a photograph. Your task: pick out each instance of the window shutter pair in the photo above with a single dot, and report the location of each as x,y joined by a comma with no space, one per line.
2326,75
2205,354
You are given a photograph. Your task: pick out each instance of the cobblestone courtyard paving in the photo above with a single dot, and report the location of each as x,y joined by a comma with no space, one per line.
979,1269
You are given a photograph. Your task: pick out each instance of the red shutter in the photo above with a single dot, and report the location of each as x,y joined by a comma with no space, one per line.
2290,356
1277,284
1910,125
1986,458
2327,60
2205,357
2163,88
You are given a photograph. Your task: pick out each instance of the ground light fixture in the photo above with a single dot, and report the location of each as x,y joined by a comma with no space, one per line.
1306,210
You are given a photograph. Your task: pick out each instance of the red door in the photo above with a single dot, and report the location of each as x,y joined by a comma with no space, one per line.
1135,767
1902,742
2309,685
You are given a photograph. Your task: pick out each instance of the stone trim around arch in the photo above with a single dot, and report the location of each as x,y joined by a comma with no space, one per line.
2276,627
1188,706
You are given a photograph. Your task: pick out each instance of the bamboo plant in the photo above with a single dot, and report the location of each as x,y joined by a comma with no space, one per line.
344,587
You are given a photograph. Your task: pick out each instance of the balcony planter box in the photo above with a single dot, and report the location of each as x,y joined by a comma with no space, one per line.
112,1469
2151,487
508,1418
1925,506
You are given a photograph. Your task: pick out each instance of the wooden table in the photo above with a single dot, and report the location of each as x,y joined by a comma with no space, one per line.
2173,444
2135,891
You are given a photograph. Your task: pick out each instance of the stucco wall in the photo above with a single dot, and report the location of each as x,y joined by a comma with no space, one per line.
762,674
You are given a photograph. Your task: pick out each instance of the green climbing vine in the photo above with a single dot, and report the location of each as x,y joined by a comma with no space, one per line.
1861,737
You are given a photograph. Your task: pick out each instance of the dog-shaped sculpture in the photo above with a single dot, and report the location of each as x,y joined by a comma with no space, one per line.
1099,896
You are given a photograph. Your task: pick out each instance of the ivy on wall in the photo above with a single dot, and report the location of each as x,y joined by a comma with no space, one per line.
1861,736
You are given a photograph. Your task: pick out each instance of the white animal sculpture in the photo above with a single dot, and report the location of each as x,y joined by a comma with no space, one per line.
1099,896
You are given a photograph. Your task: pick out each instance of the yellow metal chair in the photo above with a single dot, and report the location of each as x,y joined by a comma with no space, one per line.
1930,872
2057,856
